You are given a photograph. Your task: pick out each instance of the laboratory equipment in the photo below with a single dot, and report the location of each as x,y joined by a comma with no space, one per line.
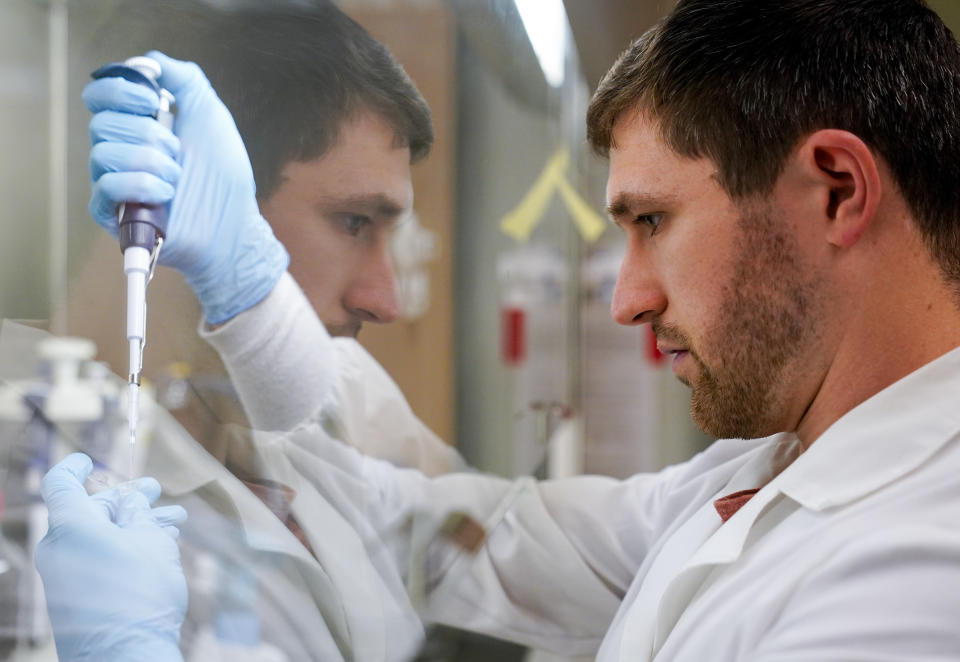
142,228
35,415
56,399
533,292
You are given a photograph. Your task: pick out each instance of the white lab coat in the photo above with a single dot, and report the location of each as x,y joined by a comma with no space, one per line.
851,552
298,597
287,369
337,605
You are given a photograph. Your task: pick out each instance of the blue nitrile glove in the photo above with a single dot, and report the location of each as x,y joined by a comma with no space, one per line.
216,236
111,569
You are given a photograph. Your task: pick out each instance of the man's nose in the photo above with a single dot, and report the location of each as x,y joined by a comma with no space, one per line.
374,295
638,297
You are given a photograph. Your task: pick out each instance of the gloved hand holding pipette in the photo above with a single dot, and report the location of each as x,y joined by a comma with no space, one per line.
111,571
216,236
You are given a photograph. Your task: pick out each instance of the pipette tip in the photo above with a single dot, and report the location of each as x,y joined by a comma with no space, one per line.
133,411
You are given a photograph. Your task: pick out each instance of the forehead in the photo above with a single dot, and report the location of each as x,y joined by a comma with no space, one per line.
366,160
643,166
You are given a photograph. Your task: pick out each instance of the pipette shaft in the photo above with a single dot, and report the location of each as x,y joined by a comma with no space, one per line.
136,266
141,231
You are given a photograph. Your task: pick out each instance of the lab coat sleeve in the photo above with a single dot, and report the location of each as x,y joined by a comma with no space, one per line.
891,595
287,369
557,558
377,419
280,358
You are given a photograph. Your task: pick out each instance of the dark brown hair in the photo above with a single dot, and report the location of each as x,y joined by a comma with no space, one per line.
742,81
291,76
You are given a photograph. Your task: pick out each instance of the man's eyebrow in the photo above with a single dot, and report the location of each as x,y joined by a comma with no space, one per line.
625,204
372,204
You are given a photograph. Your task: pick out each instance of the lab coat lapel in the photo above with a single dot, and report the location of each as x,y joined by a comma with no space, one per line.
187,471
339,571
724,547
642,622
673,582
183,466
262,529
346,563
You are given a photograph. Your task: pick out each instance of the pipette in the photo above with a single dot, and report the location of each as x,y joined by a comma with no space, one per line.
142,228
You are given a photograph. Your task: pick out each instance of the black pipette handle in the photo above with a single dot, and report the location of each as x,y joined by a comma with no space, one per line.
142,224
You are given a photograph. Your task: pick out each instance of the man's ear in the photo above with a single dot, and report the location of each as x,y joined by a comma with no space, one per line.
843,169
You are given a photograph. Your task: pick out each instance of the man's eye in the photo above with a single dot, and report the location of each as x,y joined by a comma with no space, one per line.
653,221
354,223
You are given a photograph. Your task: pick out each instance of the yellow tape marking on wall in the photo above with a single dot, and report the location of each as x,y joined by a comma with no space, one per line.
521,221
589,222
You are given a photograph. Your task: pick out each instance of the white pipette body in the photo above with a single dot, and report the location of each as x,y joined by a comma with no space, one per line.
141,230
136,266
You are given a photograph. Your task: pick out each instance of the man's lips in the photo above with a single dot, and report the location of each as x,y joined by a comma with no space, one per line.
675,352
667,349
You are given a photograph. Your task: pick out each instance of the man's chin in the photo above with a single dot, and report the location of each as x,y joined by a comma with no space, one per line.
729,414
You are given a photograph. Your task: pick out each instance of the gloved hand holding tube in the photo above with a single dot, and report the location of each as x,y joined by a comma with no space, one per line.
111,570
216,236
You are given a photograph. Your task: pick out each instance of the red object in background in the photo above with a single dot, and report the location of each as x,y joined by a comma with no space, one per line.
513,335
653,354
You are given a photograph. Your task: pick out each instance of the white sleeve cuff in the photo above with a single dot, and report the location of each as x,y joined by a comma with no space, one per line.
280,357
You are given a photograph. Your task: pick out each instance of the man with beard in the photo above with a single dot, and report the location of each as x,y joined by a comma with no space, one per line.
332,124
785,177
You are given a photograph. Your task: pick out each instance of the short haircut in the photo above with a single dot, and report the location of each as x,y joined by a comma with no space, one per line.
291,76
742,81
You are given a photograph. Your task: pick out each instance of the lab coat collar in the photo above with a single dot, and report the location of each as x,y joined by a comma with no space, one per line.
725,545
880,440
182,466
723,541
874,444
